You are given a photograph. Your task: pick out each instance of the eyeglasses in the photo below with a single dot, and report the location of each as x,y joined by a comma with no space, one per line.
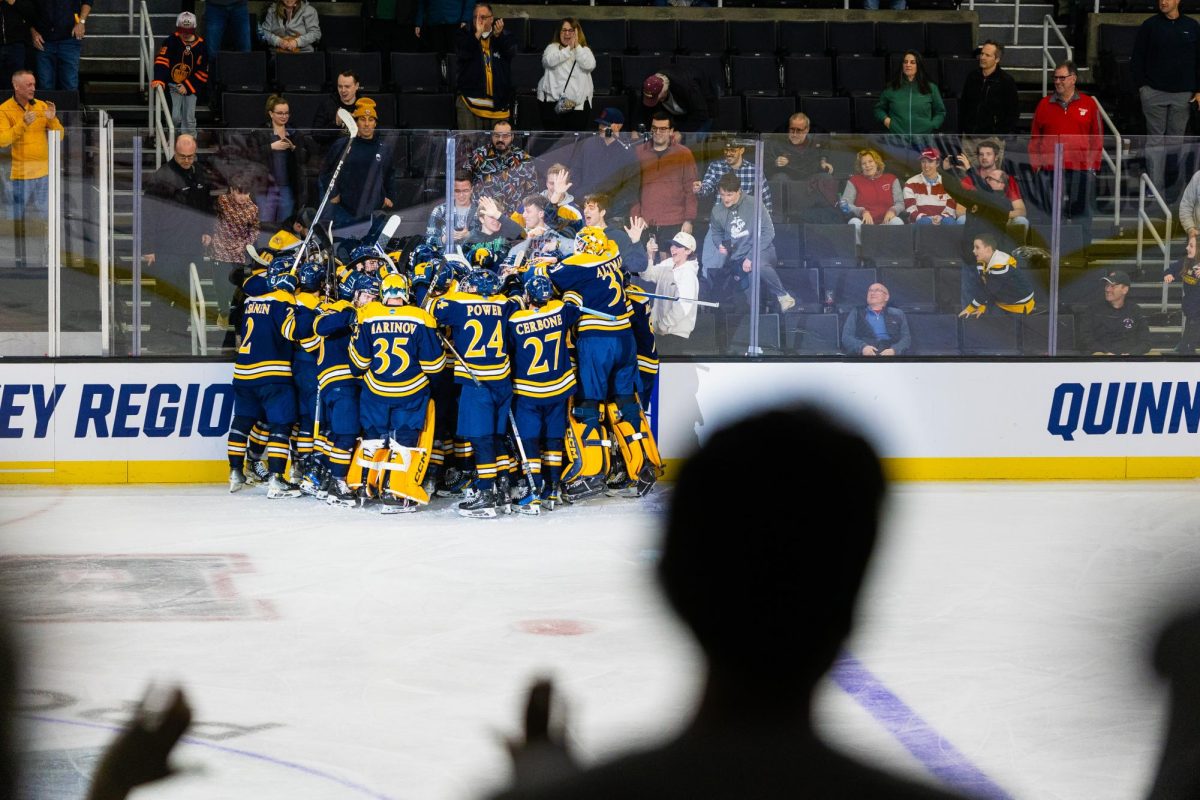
660,128
797,130
567,30
182,157
283,113
483,16
1062,77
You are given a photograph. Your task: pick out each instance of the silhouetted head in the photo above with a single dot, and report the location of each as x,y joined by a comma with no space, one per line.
767,579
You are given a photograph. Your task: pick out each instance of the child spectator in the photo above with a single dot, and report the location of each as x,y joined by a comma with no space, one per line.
181,68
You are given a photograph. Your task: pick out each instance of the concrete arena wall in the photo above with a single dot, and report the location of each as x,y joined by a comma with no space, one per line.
147,422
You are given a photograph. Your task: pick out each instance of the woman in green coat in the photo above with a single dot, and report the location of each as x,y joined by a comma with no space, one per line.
911,105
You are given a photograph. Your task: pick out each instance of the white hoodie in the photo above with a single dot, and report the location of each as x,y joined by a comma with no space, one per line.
674,317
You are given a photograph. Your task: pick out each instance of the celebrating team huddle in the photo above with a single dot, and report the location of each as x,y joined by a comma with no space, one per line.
395,378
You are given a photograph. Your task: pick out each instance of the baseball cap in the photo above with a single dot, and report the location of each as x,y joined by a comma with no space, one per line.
930,154
652,87
1117,277
186,19
685,239
611,116
365,107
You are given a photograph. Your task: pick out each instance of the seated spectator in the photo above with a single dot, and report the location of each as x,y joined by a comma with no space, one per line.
926,201
998,281
796,158
874,196
325,122
565,90
1187,270
911,103
876,329
734,161
181,68
465,213
367,182
675,276
607,162
998,198
284,151
290,26
678,94
502,170
543,245
731,258
497,232
1189,207
484,53
1116,326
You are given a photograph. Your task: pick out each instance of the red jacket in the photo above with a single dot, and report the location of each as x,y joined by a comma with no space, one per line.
667,178
1078,123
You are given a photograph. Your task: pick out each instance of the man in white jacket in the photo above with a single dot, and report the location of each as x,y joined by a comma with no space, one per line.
676,276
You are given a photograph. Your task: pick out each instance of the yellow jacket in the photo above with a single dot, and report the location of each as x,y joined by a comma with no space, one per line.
30,157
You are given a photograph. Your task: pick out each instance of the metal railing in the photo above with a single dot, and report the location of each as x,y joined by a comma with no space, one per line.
162,126
196,310
54,243
105,201
145,46
1048,61
1116,164
1144,223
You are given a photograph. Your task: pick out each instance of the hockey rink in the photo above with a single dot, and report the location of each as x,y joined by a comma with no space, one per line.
341,654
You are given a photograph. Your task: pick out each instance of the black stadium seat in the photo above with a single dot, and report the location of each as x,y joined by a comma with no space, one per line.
754,74
244,110
606,35
851,38
808,75
300,72
367,66
416,72
702,36
828,114
900,37
341,32
653,36
751,37
858,75
242,72
849,286
765,114
801,38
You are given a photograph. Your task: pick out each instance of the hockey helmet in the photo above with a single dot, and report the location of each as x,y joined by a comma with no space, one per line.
365,252
441,275
421,254
310,275
283,281
593,241
481,282
395,285
482,258
539,290
459,265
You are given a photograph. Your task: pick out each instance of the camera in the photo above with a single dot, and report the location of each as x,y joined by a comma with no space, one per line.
608,132
641,128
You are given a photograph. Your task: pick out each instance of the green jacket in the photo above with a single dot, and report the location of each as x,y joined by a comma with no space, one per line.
911,111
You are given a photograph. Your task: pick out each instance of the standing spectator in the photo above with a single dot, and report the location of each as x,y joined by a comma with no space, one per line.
999,203
567,81
678,94
796,158
223,17
911,103
1072,118
1189,207
496,233
23,124
667,201
503,170
15,18
58,38
284,151
876,329
607,162
734,160
236,227
1187,270
326,121
731,227
1166,69
926,200
485,53
290,26
367,182
874,196
437,23
181,68
1117,326
464,213
675,276
988,104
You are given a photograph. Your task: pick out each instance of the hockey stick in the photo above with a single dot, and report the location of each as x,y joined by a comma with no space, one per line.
526,469
352,127
643,293
596,313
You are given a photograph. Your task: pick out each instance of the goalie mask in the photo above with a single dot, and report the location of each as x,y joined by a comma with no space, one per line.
394,287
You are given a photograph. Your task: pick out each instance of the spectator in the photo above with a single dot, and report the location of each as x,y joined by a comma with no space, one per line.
1073,118
627,239
911,103
368,177
678,94
926,200
542,245
437,23
181,68
668,172
998,281
1166,69
485,52
874,196
876,329
999,202
236,227
988,104
753,734
896,5
734,160
1189,207
290,26
675,276
497,232
226,27
565,90
561,212
796,158
608,163
15,18
1117,326
731,229
1187,270
284,150
501,169
325,121
465,213
57,36
24,121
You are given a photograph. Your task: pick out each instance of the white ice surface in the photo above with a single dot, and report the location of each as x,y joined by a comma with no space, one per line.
386,655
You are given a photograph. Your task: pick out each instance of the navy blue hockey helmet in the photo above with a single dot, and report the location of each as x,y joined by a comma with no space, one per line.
539,290
440,277
311,274
363,252
283,281
421,254
482,282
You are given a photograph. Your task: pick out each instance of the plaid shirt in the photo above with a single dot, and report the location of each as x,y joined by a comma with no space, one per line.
510,177
745,174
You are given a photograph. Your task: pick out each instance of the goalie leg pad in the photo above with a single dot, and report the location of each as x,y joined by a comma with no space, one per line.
587,443
636,443
407,463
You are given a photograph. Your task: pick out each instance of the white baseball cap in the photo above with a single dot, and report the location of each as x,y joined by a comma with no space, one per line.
684,239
